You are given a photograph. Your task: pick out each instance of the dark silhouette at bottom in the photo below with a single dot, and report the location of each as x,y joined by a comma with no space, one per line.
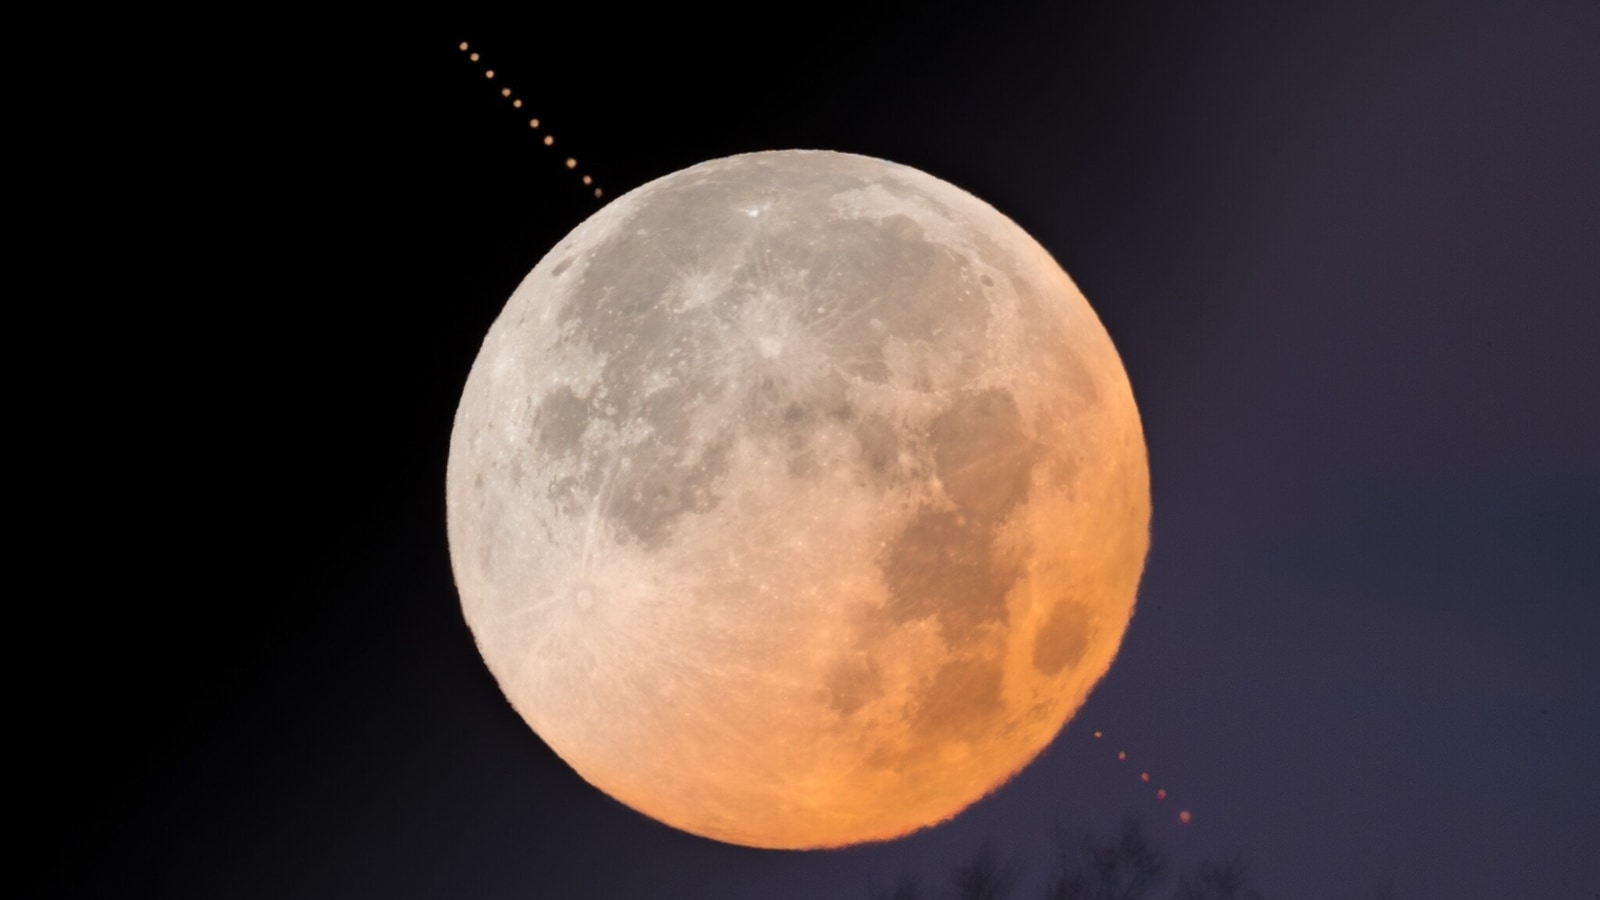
1119,866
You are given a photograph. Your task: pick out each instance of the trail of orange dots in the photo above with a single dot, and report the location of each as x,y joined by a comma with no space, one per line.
1184,816
516,103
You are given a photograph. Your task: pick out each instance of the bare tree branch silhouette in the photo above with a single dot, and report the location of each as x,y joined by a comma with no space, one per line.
1124,866
1217,881
1119,866
984,878
906,889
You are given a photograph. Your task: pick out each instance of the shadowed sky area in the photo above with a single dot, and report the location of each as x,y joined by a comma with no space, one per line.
1350,257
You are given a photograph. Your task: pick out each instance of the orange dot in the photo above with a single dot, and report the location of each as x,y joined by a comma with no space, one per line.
463,45
1185,817
548,140
516,104
572,163
1144,776
597,192
1097,735
473,57
1161,793
505,92
489,74
1122,754
588,180
533,123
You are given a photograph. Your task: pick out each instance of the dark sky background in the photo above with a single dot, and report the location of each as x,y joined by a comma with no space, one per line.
1351,259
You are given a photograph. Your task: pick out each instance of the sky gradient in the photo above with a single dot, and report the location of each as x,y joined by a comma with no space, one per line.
1350,258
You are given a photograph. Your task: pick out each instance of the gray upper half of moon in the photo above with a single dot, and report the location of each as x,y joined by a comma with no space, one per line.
791,475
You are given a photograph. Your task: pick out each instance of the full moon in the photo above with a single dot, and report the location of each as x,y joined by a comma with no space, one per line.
797,499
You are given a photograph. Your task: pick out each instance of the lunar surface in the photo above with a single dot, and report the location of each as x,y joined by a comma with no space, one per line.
797,499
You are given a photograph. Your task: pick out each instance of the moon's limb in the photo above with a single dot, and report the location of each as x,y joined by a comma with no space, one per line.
797,499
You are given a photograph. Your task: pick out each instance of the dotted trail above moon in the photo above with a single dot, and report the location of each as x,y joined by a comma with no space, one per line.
797,499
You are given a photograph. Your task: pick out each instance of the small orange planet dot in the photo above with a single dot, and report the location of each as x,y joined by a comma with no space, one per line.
1144,776
1097,735
489,74
533,123
1122,754
473,57
597,192
1185,817
516,104
1161,793
588,180
505,92
572,163
548,140
463,45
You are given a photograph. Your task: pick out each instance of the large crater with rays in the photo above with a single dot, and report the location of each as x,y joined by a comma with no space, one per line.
797,499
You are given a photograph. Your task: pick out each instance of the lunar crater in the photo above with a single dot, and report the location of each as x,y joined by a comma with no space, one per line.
797,499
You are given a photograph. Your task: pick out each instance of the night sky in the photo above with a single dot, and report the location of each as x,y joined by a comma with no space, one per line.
1350,257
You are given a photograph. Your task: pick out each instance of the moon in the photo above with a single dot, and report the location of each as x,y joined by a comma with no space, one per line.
797,499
